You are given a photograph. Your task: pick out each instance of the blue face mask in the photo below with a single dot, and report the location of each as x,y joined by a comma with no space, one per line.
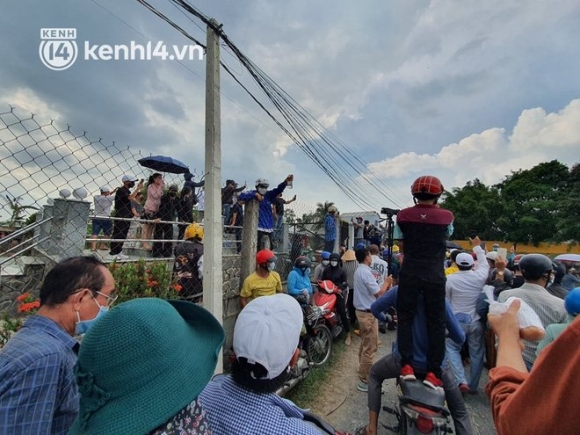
83,326
271,265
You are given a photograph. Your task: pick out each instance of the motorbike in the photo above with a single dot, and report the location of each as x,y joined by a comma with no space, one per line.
420,410
315,345
325,299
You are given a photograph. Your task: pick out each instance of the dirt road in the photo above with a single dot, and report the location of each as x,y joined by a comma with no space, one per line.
342,405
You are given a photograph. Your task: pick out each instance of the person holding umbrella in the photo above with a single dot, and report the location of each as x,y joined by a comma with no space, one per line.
155,187
123,209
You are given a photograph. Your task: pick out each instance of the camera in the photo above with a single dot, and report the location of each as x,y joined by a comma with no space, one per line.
389,211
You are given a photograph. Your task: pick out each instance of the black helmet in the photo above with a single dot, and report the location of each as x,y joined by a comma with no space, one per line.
535,266
302,263
559,270
334,256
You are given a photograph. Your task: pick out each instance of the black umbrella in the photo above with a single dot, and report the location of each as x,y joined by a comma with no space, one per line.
452,245
164,164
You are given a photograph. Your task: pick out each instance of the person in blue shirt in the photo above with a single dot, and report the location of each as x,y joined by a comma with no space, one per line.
266,198
299,284
330,229
38,392
389,366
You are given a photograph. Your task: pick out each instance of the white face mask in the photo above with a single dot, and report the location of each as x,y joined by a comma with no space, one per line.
334,263
262,191
271,265
325,262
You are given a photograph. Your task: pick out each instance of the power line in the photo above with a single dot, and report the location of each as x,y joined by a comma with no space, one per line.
330,154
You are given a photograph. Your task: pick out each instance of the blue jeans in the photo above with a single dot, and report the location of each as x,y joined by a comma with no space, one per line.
475,339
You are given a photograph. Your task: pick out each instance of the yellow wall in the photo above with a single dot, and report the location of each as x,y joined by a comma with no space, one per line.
542,248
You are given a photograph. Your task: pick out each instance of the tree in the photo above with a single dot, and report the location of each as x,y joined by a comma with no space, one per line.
568,216
530,201
289,216
317,218
475,207
18,210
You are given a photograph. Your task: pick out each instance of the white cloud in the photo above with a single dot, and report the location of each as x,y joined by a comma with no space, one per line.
490,155
25,99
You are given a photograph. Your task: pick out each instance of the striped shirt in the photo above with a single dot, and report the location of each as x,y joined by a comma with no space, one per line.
549,309
38,393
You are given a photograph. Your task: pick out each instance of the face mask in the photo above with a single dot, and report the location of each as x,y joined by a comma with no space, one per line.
83,326
262,191
325,262
334,263
271,265
305,272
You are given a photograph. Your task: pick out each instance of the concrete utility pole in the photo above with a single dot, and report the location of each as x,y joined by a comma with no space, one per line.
212,258
249,239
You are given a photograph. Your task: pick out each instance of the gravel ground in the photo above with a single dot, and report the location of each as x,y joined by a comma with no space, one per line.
343,406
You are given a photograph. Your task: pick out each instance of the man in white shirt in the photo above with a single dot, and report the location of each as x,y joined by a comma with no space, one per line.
366,291
103,205
463,289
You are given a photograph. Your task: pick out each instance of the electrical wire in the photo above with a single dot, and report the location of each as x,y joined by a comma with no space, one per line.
342,165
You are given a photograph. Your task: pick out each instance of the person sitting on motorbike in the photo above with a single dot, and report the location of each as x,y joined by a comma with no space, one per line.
266,337
299,284
335,273
264,281
324,261
389,366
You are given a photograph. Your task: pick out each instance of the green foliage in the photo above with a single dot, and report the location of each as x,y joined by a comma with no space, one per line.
17,218
529,206
476,207
8,327
307,391
289,216
568,216
142,280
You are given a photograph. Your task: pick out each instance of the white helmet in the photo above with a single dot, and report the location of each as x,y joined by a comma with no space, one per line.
262,182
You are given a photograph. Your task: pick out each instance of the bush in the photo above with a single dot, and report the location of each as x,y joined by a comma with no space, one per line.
133,280
27,305
142,280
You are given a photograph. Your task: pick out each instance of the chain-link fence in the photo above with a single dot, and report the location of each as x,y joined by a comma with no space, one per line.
53,183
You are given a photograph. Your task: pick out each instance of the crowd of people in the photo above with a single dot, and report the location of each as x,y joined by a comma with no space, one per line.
149,211
145,366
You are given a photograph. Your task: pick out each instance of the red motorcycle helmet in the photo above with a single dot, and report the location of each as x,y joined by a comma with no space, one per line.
264,256
427,187
327,286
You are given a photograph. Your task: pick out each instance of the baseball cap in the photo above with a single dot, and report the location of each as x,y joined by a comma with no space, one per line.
105,189
464,259
128,177
267,332
491,255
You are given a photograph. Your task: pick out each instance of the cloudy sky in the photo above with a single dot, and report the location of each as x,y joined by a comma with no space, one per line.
458,89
